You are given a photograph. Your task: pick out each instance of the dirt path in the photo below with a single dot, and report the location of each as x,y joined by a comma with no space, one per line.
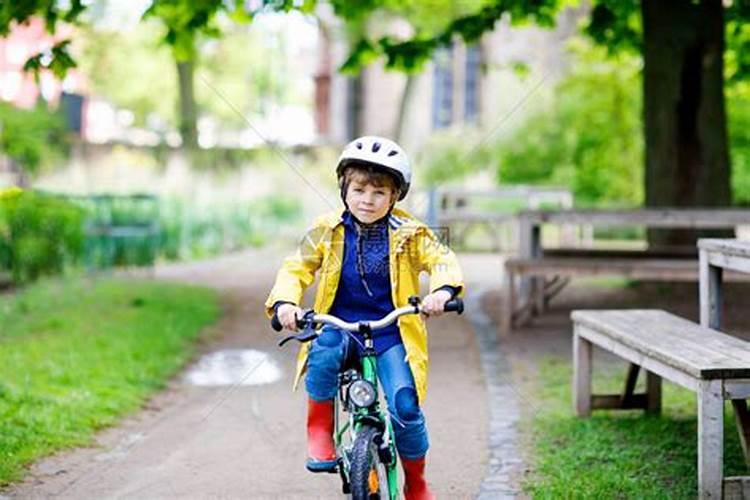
248,441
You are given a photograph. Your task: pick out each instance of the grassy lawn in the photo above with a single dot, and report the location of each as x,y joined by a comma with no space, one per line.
76,355
616,454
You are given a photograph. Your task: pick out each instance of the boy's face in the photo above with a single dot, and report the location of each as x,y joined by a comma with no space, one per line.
367,202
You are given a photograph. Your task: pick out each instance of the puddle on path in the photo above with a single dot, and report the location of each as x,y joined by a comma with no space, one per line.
234,367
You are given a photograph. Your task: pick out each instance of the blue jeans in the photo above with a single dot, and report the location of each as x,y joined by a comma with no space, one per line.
329,354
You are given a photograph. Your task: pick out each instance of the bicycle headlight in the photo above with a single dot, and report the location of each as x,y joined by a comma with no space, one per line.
362,393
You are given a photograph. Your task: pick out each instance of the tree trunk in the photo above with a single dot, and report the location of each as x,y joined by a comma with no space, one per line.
323,83
188,108
403,107
686,141
687,159
356,105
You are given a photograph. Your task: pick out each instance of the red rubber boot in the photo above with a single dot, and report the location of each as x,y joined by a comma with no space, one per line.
321,451
415,487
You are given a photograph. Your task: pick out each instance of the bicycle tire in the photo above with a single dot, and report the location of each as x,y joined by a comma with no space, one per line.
367,474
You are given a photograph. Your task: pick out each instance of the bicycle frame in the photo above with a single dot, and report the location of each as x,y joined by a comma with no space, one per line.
368,417
361,416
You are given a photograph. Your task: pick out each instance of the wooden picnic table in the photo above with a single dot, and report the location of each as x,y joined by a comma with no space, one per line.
462,210
715,255
534,263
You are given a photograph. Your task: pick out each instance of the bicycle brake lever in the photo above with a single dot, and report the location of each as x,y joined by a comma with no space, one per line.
307,335
286,339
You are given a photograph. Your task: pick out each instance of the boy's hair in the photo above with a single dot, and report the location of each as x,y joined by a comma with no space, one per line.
368,174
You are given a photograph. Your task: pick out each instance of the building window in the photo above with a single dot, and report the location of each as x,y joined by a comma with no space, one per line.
471,83
442,94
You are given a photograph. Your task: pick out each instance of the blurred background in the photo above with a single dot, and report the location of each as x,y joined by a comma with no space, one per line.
192,141
179,131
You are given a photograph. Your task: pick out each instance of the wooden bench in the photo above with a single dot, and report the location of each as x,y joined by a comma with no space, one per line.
714,365
557,268
541,272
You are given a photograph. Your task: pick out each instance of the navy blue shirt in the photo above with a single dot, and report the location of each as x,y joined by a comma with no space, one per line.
364,291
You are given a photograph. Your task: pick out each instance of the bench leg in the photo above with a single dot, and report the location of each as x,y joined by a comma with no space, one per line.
630,380
539,302
710,439
581,375
709,292
653,393
509,304
742,418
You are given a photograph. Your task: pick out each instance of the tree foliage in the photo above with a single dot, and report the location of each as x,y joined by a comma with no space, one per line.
410,55
58,58
31,138
185,21
587,138
739,123
129,71
613,23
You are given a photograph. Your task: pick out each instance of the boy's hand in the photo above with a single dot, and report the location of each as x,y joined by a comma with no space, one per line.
288,314
434,303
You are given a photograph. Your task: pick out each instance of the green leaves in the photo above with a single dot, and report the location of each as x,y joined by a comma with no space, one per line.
588,137
352,11
21,11
31,138
471,28
57,59
409,55
737,55
616,25
41,235
363,53
406,56
185,21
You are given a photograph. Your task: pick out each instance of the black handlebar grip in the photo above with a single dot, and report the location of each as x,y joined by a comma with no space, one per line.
276,324
456,305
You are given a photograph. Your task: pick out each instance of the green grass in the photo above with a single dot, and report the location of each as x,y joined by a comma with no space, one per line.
76,355
616,454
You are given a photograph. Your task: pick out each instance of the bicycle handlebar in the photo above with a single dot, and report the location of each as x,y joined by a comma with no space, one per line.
310,319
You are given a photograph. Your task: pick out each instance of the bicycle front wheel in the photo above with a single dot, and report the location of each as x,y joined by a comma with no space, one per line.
367,474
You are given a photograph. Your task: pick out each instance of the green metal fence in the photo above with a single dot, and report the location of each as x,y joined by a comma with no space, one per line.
121,230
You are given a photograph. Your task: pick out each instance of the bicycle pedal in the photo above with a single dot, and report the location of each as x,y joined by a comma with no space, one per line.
322,467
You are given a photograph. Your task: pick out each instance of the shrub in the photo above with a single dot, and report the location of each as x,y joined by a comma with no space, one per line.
589,138
452,155
739,123
39,234
31,138
192,231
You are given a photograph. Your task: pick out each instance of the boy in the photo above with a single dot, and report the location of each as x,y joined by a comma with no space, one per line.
369,258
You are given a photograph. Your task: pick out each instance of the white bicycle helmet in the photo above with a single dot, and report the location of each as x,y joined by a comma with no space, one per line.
380,153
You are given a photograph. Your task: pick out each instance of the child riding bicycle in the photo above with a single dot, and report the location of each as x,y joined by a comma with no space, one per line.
369,256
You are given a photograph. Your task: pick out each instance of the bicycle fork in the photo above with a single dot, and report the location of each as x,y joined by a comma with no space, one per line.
387,446
360,417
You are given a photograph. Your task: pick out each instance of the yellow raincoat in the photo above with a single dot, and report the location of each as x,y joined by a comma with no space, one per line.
413,248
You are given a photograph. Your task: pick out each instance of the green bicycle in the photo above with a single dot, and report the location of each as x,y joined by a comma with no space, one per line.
365,449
